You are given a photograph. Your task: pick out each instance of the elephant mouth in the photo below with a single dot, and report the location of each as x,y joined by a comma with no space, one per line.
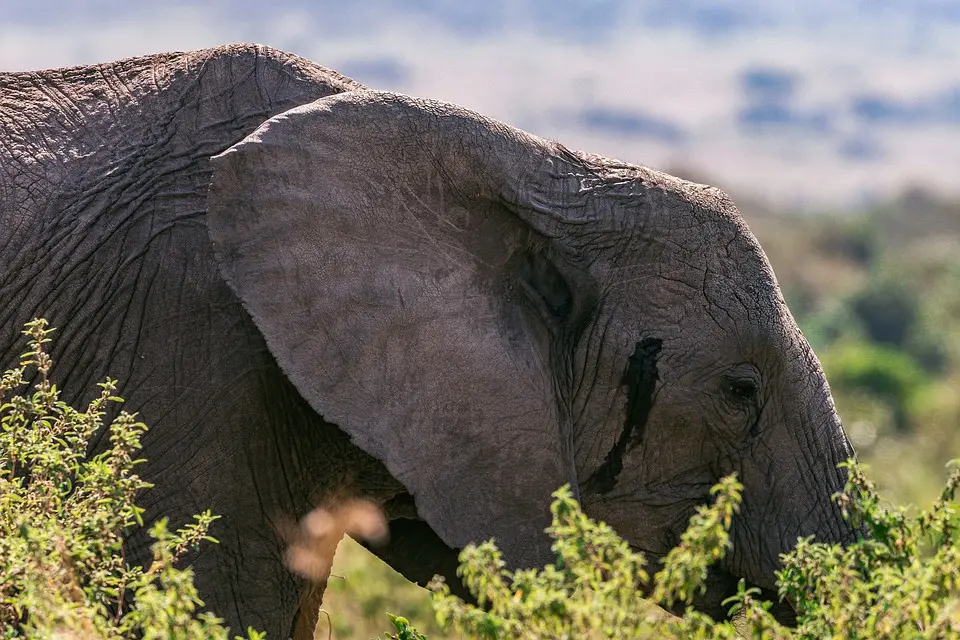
721,584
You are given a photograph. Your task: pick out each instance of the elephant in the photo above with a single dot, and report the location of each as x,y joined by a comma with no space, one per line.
313,290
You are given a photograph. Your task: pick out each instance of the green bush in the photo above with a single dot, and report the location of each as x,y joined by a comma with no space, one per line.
889,375
853,237
903,581
63,575
63,518
888,309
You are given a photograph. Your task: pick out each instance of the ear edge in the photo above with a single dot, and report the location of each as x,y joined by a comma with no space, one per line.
233,166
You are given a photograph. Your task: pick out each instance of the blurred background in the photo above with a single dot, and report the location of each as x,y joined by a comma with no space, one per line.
834,124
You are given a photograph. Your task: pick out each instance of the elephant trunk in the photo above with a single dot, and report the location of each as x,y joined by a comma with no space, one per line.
790,479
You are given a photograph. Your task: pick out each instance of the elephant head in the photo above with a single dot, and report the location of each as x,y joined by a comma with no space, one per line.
492,315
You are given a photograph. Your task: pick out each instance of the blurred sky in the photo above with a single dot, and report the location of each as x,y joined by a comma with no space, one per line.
819,103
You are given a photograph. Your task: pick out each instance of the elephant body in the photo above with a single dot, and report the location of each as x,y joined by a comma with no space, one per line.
310,290
104,178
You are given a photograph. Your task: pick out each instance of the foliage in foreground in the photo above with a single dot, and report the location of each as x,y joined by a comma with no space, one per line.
903,581
63,519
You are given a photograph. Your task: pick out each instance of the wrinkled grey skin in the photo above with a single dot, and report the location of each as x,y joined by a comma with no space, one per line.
397,298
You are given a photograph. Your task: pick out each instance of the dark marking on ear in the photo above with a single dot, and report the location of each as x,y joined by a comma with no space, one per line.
640,378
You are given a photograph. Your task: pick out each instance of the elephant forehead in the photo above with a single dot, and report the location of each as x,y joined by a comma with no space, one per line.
726,271
712,307
658,232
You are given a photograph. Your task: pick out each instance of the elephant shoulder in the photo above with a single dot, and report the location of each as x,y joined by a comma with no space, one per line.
249,55
705,198
80,110
76,131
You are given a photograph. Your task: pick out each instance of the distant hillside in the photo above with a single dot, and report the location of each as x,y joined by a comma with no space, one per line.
596,18
804,104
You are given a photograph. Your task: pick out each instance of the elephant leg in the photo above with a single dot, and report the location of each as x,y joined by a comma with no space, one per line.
308,614
229,433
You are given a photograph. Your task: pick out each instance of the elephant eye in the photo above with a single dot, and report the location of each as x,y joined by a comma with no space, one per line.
742,389
742,386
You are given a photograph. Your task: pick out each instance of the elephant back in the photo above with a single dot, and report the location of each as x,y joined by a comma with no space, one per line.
112,161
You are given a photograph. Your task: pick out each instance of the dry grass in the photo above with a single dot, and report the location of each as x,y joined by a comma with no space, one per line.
362,588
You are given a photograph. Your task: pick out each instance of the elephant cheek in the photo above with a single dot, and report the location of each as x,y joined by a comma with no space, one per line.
785,499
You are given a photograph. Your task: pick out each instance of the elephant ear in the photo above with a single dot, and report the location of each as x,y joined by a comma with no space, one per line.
404,272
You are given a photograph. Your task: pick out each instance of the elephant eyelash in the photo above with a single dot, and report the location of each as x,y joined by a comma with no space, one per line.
743,389
743,395
741,386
